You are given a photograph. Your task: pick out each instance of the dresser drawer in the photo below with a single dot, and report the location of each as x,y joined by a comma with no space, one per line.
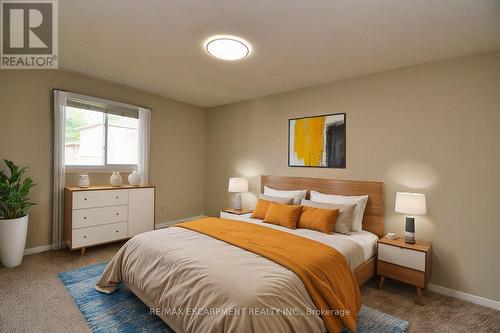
91,199
99,234
396,272
401,256
96,216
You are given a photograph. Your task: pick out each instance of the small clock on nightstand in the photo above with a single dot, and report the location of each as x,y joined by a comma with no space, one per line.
235,214
408,263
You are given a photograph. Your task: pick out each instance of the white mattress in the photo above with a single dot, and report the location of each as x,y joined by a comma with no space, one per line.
365,239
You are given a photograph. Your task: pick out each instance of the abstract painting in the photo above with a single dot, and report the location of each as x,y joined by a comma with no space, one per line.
317,141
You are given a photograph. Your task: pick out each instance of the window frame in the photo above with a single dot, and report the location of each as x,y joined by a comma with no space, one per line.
105,168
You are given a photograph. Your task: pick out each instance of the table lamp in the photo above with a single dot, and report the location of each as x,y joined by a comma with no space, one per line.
237,185
410,204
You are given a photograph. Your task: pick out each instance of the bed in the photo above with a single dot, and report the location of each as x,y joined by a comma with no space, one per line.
197,283
373,219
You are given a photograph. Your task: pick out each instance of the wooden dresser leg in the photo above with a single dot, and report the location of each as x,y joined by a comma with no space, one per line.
381,282
420,299
82,251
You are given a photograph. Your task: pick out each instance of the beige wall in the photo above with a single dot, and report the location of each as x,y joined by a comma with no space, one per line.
432,128
26,125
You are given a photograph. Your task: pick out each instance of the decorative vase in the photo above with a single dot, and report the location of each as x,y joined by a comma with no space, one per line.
116,179
12,241
134,178
83,180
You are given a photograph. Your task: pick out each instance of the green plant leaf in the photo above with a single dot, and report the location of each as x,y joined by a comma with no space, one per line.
14,192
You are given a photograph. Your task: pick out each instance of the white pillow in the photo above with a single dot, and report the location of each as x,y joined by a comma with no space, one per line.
359,201
297,195
286,201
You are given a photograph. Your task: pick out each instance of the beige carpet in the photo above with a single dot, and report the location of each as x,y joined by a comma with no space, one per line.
32,299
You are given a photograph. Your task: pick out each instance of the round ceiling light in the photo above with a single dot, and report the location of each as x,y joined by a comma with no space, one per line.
228,48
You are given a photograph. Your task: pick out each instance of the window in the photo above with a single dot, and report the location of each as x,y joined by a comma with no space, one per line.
95,134
100,135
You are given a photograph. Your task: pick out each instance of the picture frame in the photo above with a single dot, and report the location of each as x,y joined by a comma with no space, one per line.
317,141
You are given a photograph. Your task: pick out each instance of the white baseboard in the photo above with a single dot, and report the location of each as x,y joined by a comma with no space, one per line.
37,249
464,296
165,224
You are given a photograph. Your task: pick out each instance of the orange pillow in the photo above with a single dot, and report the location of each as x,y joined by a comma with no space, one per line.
283,215
263,205
260,209
319,219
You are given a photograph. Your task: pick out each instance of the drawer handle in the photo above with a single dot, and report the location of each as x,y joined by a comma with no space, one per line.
117,214
85,199
85,217
117,197
116,230
85,236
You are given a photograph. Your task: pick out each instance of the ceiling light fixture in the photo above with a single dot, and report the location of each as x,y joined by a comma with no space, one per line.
229,48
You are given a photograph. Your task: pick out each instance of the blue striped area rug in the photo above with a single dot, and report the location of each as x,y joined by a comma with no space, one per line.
122,311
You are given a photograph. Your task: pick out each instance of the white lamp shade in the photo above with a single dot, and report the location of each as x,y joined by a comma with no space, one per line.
237,185
410,203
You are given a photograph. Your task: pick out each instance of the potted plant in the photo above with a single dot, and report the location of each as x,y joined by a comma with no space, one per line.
14,206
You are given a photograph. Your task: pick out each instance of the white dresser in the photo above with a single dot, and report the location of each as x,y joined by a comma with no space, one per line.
98,215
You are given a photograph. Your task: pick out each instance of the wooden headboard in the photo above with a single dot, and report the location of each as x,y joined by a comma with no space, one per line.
373,220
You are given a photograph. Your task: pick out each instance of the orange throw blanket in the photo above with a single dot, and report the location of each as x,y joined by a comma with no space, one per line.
323,270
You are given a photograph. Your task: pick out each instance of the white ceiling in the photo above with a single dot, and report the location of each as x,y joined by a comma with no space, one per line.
157,45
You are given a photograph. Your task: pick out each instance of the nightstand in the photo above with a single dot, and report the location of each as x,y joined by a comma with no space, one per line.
408,263
235,214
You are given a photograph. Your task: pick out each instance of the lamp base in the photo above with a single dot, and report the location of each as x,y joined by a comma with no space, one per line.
237,201
410,230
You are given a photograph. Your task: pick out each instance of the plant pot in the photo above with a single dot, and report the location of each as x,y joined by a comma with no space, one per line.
13,240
